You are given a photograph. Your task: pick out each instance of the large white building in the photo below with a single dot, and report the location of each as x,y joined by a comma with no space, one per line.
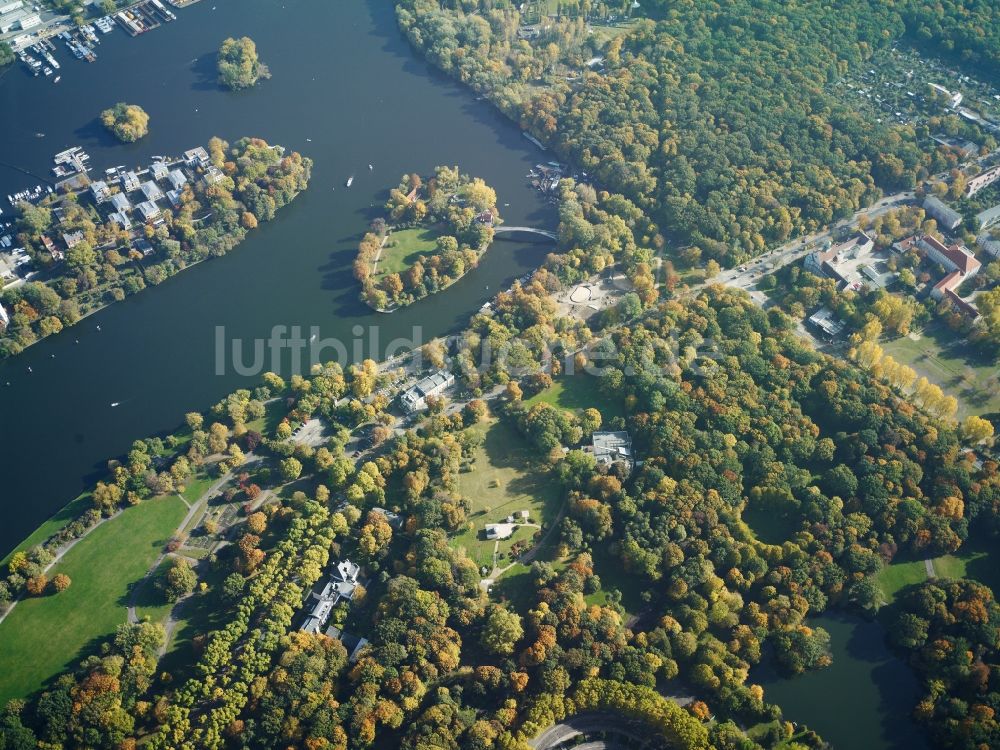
343,585
415,398
829,262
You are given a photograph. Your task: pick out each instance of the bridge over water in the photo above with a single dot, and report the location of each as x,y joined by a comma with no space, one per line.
504,229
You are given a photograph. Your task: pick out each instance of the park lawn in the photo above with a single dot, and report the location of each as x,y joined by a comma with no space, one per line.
274,411
504,479
976,560
579,392
197,486
149,601
66,515
404,248
45,636
958,368
897,576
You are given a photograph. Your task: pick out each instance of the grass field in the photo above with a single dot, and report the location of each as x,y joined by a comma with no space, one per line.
959,369
897,576
197,486
578,392
976,560
44,636
503,480
274,412
68,513
404,248
149,600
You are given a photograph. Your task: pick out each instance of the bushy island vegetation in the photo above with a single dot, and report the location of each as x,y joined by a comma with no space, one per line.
717,117
435,232
252,181
239,65
128,122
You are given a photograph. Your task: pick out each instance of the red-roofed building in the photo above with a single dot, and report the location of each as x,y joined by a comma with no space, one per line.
953,258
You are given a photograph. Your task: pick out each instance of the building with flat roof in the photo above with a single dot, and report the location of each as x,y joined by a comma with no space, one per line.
151,190
100,191
159,170
197,157
121,219
989,217
946,217
177,179
500,530
121,203
826,321
149,210
130,181
213,175
981,180
415,398
989,245
612,446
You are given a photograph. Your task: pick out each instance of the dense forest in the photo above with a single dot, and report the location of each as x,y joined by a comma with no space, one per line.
731,414
716,119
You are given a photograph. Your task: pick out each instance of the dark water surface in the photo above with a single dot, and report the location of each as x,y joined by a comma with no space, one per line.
347,91
863,700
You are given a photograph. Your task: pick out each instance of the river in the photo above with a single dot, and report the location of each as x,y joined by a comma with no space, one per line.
864,699
346,90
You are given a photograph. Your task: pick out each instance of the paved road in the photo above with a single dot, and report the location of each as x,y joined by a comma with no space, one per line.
612,730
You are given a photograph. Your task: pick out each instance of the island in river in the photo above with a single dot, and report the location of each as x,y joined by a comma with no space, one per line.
435,233
95,243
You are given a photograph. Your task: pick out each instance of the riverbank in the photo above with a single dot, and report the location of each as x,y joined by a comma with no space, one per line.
137,228
156,353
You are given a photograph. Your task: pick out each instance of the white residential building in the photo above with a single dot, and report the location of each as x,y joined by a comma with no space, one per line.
415,398
100,191
152,191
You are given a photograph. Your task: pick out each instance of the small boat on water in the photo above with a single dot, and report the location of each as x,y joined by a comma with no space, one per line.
115,403
370,167
350,181
57,79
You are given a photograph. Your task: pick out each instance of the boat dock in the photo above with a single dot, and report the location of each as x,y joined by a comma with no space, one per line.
144,17
71,161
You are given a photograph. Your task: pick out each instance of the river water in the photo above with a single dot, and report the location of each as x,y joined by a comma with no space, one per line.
346,91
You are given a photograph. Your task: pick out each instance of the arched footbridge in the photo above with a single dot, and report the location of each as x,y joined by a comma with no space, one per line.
504,229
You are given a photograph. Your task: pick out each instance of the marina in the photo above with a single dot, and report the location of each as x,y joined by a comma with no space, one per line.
35,50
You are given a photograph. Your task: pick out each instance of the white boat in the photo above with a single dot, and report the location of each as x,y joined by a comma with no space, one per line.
350,181
57,79
115,403
370,168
